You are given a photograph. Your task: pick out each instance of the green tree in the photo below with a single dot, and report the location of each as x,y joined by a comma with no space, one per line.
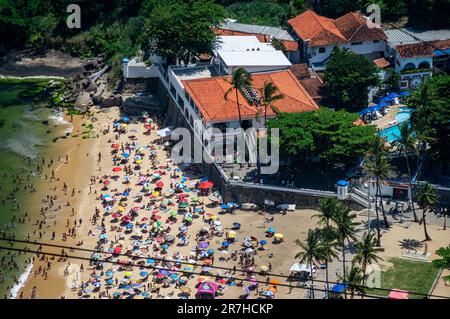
312,252
366,251
268,97
431,115
444,261
297,7
407,143
328,241
347,79
328,134
278,44
260,12
377,166
355,279
181,29
345,229
427,199
239,79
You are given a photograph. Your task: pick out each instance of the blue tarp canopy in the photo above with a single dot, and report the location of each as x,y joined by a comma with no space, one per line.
370,109
442,52
339,288
342,182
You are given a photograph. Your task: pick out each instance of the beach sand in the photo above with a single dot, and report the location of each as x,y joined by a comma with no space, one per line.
77,172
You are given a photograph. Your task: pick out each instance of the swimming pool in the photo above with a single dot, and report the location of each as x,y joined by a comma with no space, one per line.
392,133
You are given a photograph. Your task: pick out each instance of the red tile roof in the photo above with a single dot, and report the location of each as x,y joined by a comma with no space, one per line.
289,45
209,96
414,50
300,70
321,31
381,63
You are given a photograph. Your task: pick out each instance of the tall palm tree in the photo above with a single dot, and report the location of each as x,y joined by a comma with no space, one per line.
268,97
427,199
345,228
328,240
377,165
239,79
354,278
366,251
311,253
406,143
327,208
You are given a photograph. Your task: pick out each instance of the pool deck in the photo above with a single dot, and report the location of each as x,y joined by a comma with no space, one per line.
388,120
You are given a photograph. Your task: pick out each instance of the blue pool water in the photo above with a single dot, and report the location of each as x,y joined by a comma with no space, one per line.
392,133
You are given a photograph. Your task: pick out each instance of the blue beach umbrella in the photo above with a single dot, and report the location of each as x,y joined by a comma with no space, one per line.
224,206
125,119
225,244
143,274
263,242
109,281
126,155
103,236
125,194
150,261
109,273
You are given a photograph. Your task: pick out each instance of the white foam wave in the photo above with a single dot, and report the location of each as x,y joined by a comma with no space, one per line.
21,282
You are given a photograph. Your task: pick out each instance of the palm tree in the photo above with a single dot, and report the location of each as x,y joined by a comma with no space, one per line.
239,79
311,253
327,208
328,240
354,279
427,198
366,251
345,228
408,142
377,165
268,98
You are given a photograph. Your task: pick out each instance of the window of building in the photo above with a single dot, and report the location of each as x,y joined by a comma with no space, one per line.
424,65
409,66
322,50
403,84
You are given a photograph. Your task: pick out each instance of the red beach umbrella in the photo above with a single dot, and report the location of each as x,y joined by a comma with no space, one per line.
156,217
117,250
159,184
206,185
106,182
182,195
115,145
116,169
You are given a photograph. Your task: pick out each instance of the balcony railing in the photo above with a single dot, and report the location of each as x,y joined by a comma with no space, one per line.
410,71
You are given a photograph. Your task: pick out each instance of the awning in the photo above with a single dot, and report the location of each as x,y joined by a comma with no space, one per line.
398,294
297,267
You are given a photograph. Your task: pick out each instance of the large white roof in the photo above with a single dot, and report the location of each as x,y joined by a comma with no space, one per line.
254,58
242,43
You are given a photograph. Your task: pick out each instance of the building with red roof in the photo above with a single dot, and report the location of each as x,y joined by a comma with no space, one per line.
318,36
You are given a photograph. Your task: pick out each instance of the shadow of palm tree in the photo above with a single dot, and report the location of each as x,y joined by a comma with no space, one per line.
410,244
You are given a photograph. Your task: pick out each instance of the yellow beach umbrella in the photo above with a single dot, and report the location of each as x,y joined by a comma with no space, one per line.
123,125
127,273
231,234
278,236
264,268
138,161
214,217
120,208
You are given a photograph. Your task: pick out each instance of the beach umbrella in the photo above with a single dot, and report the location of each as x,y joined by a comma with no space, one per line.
198,210
156,175
126,155
150,261
143,274
188,218
97,284
224,206
106,196
180,185
109,273
248,251
263,242
138,161
278,236
231,234
125,119
225,244
236,225
117,250
106,182
206,185
169,237
159,184
109,281
217,223
115,145
103,236
120,208
263,268
270,230
183,204
116,169
173,213
203,244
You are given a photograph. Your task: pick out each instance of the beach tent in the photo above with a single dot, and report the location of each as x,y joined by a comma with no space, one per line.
165,132
298,267
398,294
206,290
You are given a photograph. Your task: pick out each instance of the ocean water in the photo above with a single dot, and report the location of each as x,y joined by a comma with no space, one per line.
27,129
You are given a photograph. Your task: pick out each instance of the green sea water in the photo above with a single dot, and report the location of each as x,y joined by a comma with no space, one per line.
26,134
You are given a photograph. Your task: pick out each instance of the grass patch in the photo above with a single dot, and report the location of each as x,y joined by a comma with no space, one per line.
410,275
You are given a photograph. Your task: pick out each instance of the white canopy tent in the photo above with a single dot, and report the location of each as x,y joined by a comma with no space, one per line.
165,132
297,267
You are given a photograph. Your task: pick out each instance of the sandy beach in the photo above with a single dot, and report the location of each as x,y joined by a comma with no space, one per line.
93,222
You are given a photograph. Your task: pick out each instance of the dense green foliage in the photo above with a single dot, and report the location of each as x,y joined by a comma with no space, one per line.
347,78
431,117
262,12
181,29
328,134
